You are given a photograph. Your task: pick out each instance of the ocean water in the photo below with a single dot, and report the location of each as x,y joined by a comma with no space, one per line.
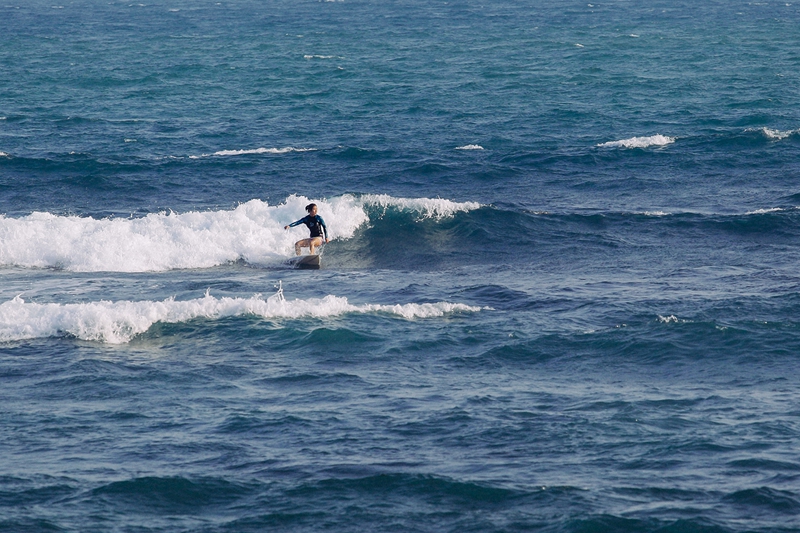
561,295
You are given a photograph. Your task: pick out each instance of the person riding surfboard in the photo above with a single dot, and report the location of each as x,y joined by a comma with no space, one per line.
316,225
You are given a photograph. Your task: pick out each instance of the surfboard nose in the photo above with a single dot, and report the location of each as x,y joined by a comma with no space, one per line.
309,262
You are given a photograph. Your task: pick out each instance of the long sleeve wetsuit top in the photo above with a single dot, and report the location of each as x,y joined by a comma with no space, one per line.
315,224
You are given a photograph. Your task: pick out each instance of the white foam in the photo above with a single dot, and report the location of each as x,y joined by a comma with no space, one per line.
3,154
118,322
425,207
668,319
253,231
776,135
470,147
285,150
765,211
309,56
640,142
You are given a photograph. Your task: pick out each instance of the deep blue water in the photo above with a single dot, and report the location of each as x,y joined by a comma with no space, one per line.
561,293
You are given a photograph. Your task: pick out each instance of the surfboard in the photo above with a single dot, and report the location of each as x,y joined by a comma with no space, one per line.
307,261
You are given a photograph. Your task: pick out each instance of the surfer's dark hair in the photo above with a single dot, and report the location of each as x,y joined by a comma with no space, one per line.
310,206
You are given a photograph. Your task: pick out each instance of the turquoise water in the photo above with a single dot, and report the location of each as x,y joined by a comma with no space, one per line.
561,293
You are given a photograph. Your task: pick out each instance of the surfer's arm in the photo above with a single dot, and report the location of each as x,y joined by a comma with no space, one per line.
324,227
293,224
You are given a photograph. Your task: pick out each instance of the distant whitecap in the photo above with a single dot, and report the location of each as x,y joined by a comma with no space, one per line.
639,142
765,211
264,151
470,147
776,135
285,150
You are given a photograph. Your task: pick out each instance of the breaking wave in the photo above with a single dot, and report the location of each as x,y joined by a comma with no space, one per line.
118,322
253,232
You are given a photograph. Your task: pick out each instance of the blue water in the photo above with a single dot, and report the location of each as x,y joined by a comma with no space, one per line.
561,294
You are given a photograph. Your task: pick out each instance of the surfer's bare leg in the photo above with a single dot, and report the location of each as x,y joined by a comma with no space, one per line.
313,243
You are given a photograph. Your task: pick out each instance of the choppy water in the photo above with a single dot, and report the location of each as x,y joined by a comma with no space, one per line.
561,295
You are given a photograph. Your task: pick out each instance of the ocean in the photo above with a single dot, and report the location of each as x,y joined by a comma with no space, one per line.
561,292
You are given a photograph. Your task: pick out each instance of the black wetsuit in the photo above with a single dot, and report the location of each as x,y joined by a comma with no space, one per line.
315,224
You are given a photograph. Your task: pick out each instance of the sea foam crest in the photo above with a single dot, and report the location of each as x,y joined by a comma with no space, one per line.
470,147
639,142
776,135
253,232
118,322
426,207
285,150
765,211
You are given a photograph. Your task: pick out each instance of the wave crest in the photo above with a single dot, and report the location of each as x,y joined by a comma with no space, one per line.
426,207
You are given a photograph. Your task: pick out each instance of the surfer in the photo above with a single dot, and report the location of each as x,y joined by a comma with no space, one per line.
318,230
